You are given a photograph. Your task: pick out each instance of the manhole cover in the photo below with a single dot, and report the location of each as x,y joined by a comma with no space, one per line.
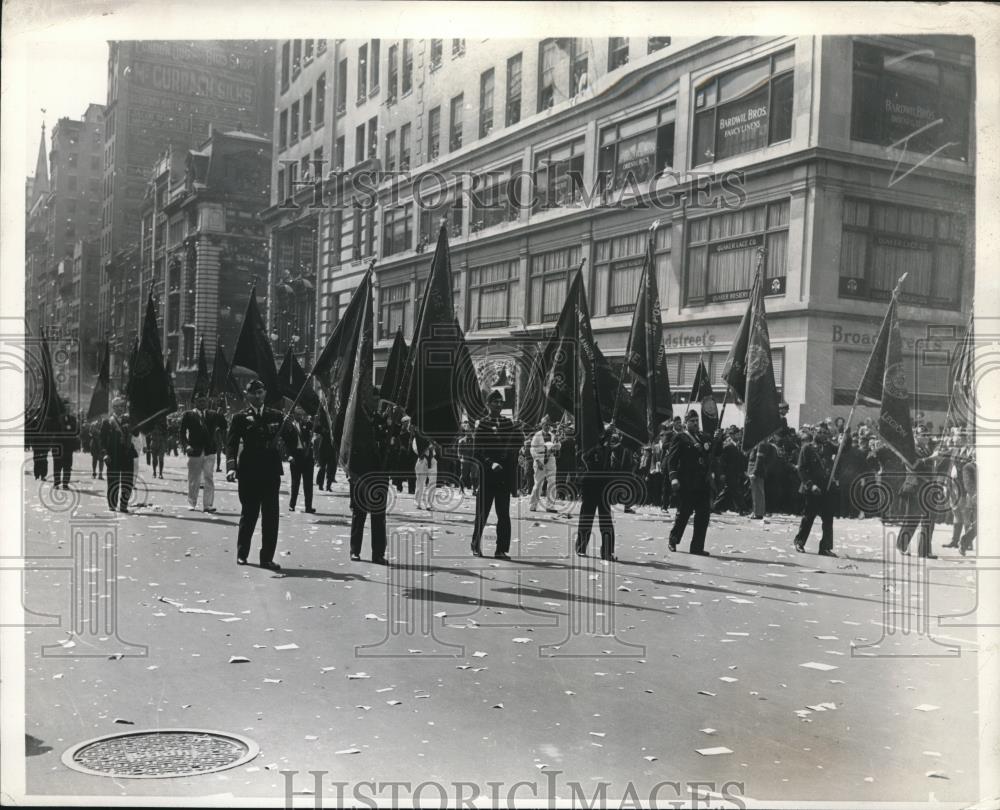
160,754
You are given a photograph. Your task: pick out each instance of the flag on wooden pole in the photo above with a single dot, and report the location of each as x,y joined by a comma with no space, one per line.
100,399
149,390
253,350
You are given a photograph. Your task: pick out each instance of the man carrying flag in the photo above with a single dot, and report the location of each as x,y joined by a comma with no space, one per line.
496,441
821,498
689,471
119,456
702,393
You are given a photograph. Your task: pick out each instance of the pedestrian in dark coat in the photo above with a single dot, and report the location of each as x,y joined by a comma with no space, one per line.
119,456
821,498
689,468
496,442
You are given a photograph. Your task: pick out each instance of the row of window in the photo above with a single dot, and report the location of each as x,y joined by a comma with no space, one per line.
295,54
303,116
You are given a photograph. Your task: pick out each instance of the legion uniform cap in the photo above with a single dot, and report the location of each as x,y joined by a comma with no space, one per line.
255,385
692,414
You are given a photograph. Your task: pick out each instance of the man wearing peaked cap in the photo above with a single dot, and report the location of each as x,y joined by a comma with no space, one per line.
496,442
688,465
257,467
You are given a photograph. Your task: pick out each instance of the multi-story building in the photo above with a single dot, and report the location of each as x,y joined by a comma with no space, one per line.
202,244
304,151
35,241
849,159
163,94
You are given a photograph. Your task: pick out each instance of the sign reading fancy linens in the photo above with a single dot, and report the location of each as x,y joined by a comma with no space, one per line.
742,125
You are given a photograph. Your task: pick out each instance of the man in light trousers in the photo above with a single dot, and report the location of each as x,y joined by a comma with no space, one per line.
199,437
543,453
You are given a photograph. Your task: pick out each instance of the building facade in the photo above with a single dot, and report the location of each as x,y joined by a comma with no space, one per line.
849,159
164,94
202,245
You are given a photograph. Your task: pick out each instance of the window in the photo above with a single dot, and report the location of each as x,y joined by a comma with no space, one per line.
657,44
293,136
305,168
491,290
617,52
397,229
437,205
363,227
280,197
404,147
339,156
393,73
407,66
308,55
359,144
392,309
486,103
95,163
617,270
373,138
433,133
549,281
637,150
321,99
558,175
307,106
744,109
722,253
437,48
390,152
578,78
913,102
342,87
375,56
455,136
496,197
363,73
296,57
547,56
285,65
513,105
318,163
882,241
457,47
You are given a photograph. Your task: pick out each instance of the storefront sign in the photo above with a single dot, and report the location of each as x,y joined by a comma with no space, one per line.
742,243
637,156
905,244
742,125
683,341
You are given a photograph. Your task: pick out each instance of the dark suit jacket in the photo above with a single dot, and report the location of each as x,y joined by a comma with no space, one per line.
200,431
299,443
688,461
498,441
260,457
116,442
815,464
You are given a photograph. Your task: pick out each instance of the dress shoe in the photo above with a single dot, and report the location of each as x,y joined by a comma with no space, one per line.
355,557
582,554
291,508
311,511
800,547
211,509
828,553
610,558
501,556
270,566
950,545
672,546
701,553
380,561
476,551
124,511
241,560
926,556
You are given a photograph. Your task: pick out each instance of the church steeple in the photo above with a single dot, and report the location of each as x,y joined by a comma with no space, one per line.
41,185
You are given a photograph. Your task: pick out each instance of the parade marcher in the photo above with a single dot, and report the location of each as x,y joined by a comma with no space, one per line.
199,429
370,494
762,459
970,503
544,452
219,406
258,469
63,448
621,459
324,452
158,446
732,466
299,445
96,451
119,456
425,473
407,453
495,443
821,497
593,489
689,468
469,472
852,464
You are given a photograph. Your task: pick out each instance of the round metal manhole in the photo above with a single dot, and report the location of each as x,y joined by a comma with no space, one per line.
160,754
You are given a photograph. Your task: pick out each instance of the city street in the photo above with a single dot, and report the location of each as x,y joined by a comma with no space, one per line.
734,670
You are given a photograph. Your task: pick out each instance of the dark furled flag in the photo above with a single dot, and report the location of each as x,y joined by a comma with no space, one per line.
357,454
394,368
530,390
467,387
962,404
169,366
222,382
641,409
571,369
607,385
760,398
334,367
100,399
429,379
884,384
150,391
202,380
702,393
253,350
294,383
47,417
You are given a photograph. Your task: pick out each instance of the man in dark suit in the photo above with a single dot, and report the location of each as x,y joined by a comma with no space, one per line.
66,443
594,481
370,492
496,442
200,429
258,468
119,456
814,467
688,466
298,438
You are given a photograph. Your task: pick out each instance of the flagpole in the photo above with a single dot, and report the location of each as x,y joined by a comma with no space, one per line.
951,393
850,415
